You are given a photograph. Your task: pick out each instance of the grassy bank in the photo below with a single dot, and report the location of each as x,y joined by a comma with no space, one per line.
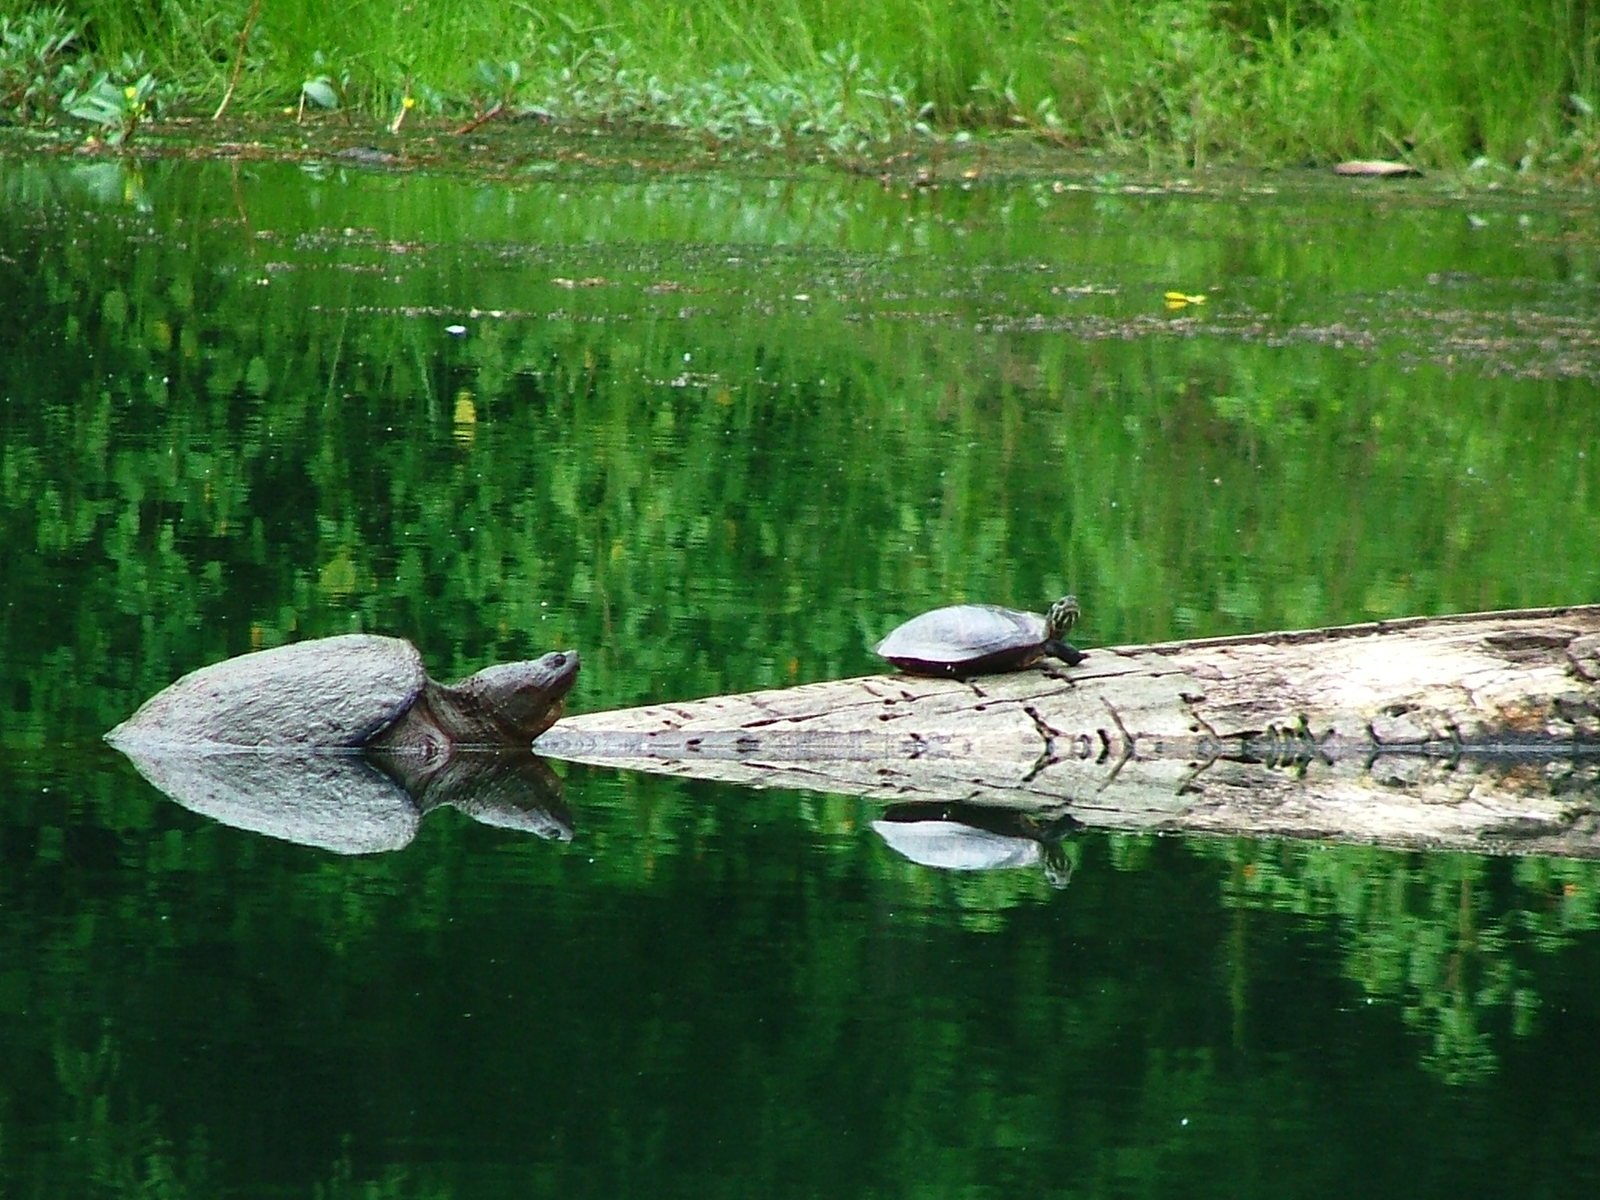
1442,82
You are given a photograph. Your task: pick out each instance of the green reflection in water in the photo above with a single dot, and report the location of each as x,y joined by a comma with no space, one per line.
720,433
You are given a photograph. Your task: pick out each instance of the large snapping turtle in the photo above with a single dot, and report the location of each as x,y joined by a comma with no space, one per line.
356,690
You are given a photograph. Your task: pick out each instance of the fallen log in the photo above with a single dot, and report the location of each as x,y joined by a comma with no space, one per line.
1478,732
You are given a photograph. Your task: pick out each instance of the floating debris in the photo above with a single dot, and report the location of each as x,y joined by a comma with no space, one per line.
367,156
1377,168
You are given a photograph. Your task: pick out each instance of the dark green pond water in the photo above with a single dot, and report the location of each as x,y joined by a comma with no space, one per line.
719,432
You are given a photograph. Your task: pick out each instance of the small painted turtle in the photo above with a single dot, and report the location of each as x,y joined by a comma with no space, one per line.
979,639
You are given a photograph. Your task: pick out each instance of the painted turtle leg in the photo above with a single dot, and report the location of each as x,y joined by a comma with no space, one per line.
1065,651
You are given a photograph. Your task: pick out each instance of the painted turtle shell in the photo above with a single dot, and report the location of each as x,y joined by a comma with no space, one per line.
978,639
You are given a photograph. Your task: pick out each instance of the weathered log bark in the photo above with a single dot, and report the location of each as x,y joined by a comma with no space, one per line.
1479,731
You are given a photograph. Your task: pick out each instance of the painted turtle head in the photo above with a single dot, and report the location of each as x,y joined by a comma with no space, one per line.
1063,615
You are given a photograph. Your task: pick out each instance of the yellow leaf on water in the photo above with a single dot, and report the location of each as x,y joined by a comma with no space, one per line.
340,577
466,418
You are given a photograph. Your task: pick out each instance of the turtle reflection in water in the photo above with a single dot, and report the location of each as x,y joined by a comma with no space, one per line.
354,801
344,743
980,639
972,837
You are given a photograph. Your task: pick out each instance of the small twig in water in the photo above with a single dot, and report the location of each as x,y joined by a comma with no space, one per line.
483,119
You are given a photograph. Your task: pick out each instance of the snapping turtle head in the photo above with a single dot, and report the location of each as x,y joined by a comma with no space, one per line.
522,699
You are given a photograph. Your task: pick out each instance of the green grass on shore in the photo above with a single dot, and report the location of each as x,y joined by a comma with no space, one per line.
1441,82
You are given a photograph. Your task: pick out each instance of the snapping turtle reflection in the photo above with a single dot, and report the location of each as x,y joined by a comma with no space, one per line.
353,802
973,837
345,742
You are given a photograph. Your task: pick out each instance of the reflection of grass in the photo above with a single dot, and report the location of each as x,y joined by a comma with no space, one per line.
977,445
1180,80
1438,935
